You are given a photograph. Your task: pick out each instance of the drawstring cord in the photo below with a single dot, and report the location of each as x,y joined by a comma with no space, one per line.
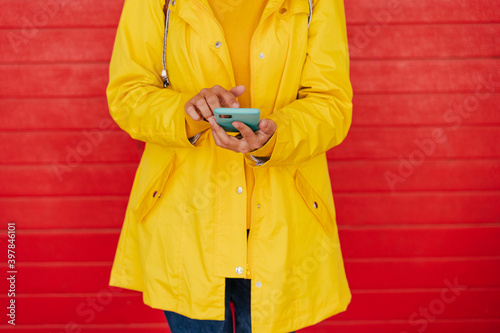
164,73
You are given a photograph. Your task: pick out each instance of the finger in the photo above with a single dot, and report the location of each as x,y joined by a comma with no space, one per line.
238,90
225,141
227,98
191,111
202,107
267,127
251,140
212,101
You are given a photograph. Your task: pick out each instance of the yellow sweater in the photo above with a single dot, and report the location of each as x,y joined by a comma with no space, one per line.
239,19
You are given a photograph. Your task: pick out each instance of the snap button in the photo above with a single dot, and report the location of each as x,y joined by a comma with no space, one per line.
258,284
282,10
261,55
218,44
154,194
239,190
258,205
315,204
239,270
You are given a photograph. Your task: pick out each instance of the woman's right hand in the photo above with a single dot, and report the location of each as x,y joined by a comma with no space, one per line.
201,106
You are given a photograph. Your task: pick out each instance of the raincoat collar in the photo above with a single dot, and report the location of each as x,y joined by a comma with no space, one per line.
208,27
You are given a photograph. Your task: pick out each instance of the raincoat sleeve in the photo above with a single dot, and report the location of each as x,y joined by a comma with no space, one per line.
321,116
137,100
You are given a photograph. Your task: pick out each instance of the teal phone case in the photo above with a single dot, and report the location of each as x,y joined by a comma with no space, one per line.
225,116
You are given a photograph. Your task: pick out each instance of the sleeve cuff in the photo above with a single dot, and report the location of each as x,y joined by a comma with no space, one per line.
263,154
267,149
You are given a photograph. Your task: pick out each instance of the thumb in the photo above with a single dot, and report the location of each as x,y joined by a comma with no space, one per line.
238,90
267,126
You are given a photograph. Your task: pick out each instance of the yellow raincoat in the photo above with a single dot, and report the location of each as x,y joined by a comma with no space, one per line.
185,225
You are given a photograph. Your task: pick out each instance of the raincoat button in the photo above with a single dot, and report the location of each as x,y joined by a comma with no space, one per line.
261,55
239,270
258,205
282,10
258,284
239,190
218,44
315,204
154,194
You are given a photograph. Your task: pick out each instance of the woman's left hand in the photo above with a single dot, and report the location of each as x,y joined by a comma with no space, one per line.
249,141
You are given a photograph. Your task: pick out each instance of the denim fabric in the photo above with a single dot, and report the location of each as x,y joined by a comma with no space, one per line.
237,290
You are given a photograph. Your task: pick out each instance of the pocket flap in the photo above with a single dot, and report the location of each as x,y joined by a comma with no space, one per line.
315,202
153,191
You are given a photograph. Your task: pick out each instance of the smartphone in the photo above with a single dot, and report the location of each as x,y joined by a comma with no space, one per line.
225,117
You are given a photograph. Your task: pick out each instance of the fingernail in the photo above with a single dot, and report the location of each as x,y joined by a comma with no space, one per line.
235,105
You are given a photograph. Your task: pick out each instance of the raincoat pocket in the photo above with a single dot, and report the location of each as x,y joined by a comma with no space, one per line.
314,201
153,190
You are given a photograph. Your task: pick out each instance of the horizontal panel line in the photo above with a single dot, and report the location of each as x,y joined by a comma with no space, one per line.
22,264
437,58
36,98
67,197
408,150
366,93
426,23
353,60
104,97
58,231
356,322
62,26
354,291
49,164
416,127
418,226
335,191
131,160
326,323
422,193
108,230
64,327
422,259
338,193
418,290
59,195
388,191
353,24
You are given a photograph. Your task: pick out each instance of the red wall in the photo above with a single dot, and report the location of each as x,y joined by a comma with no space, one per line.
417,181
